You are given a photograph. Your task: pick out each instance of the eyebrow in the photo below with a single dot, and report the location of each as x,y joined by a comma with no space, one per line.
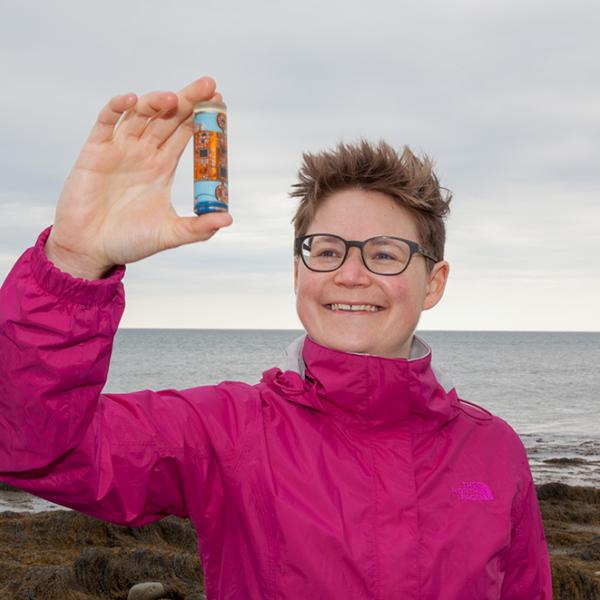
329,238
332,237
381,242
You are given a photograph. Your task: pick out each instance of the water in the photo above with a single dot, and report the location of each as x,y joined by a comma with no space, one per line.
546,385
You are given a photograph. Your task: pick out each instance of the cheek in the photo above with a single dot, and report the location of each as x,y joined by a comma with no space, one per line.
311,294
404,296
307,291
304,292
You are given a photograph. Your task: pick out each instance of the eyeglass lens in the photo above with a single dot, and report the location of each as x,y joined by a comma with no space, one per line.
382,255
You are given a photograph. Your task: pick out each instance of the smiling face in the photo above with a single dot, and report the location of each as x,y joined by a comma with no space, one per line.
358,215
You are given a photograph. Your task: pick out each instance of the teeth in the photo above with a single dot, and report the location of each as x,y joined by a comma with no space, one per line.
368,307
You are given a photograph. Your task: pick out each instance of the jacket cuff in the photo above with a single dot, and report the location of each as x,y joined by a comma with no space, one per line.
74,289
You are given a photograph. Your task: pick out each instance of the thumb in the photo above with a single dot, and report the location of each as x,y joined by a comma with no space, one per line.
198,229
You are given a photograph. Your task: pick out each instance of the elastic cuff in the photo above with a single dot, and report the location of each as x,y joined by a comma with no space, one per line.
74,289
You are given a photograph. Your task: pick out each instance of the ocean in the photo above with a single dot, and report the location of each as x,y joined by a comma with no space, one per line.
546,385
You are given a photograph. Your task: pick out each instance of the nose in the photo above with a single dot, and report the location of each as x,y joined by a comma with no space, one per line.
353,272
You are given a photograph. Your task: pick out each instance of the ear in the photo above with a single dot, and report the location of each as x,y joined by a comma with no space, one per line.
436,284
296,275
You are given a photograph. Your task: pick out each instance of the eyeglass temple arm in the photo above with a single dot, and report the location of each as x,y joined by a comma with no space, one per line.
418,248
427,255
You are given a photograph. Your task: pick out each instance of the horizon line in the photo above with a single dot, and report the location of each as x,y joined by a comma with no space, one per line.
417,330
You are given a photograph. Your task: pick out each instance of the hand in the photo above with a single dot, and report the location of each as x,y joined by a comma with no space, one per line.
115,207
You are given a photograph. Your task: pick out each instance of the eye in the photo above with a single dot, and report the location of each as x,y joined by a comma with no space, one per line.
325,252
321,248
388,251
386,255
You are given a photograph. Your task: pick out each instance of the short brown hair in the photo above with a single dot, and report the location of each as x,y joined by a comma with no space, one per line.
407,179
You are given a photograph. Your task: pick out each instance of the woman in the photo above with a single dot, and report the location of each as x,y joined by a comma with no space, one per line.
354,471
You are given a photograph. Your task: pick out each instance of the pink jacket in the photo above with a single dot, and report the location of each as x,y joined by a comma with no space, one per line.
342,476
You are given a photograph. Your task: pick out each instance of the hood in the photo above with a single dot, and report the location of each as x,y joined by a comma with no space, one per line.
366,389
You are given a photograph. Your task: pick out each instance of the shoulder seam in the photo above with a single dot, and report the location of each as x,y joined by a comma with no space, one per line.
485,419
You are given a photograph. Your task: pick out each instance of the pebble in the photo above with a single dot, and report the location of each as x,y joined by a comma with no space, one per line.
151,590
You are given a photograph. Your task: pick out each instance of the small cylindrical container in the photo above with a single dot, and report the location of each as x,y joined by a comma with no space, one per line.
210,157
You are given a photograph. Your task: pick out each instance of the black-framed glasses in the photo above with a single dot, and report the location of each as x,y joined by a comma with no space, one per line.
382,255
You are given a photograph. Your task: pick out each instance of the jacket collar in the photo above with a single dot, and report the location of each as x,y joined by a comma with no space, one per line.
367,389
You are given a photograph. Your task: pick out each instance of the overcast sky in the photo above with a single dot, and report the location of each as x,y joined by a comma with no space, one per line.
504,95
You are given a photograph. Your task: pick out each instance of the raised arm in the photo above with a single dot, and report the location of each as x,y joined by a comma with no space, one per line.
121,457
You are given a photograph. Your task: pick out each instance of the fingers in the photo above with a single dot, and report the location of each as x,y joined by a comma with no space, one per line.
109,116
177,142
160,129
144,116
147,107
186,230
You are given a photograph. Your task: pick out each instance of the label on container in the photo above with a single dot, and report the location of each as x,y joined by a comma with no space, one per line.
210,162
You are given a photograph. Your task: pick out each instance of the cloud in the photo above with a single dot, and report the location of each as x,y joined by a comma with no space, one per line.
503,95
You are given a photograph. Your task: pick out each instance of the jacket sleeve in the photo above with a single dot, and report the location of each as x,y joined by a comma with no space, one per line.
528,573
127,458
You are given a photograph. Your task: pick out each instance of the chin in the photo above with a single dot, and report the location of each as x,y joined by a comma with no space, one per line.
346,344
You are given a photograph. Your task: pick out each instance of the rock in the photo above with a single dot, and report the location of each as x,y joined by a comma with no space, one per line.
151,590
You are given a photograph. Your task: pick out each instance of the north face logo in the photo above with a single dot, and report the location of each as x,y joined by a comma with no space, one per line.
473,491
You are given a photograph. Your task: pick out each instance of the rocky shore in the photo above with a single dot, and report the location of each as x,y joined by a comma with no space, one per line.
63,555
